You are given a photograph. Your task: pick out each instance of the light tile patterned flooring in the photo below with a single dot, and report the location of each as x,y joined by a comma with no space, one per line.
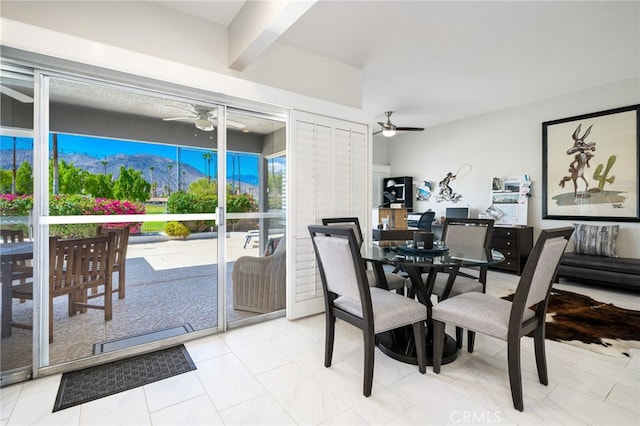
272,374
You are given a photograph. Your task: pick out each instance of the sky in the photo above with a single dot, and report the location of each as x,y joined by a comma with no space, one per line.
100,148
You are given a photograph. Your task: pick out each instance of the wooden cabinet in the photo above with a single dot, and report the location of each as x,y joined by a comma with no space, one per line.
515,243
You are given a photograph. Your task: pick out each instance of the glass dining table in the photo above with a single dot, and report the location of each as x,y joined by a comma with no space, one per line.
399,344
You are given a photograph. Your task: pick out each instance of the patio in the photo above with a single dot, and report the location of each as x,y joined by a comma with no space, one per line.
169,283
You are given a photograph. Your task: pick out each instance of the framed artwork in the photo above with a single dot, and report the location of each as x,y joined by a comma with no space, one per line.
590,166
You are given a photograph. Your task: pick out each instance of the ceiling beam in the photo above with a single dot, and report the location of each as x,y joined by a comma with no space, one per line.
258,25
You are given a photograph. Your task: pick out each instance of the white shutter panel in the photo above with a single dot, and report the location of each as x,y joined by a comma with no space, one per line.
326,156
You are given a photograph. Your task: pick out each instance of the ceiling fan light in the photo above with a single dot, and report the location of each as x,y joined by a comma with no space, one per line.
388,132
204,125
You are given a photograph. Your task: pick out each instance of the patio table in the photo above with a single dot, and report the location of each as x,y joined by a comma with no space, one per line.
10,253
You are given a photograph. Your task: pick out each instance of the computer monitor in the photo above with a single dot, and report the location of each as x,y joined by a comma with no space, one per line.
457,212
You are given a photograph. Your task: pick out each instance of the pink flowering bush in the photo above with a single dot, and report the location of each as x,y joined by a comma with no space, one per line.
15,205
104,206
72,205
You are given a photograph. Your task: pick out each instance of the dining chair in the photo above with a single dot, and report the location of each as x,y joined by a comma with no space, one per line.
394,281
473,233
119,255
348,296
505,320
76,266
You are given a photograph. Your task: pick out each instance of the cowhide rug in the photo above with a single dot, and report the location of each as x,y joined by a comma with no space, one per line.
600,327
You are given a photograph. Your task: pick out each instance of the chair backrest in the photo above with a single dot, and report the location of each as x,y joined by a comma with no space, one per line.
12,235
425,220
346,222
539,272
340,264
80,262
120,246
468,232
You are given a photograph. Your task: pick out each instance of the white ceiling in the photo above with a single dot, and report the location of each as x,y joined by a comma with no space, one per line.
434,62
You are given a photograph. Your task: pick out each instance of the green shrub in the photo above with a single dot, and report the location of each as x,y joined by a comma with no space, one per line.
183,202
176,229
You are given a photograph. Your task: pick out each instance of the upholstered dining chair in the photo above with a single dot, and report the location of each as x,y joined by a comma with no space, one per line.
505,320
467,233
394,281
76,266
348,296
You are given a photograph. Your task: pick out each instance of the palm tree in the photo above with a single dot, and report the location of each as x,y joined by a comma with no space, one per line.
207,164
169,167
104,164
152,168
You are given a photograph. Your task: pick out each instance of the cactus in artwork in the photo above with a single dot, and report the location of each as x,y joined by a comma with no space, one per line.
603,178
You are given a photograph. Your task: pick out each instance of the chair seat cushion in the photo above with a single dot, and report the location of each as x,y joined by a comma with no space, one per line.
478,312
394,281
460,286
390,310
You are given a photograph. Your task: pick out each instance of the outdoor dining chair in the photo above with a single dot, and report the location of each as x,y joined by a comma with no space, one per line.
505,320
76,266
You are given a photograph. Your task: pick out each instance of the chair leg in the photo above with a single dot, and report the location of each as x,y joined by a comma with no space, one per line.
108,302
121,276
330,332
419,336
369,347
438,345
541,357
50,319
459,335
515,375
471,339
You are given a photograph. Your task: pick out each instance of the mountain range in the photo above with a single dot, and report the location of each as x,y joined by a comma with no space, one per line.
143,162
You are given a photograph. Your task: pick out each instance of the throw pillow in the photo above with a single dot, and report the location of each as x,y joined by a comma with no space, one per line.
596,240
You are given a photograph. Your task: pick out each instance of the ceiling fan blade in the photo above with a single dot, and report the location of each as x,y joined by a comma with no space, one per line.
379,131
190,111
410,129
236,124
179,118
16,95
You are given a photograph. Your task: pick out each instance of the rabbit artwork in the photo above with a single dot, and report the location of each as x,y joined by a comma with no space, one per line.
582,151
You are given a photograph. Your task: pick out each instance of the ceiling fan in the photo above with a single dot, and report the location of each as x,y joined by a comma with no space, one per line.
389,129
203,117
20,81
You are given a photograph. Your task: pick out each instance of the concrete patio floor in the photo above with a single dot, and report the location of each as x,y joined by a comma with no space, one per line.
169,283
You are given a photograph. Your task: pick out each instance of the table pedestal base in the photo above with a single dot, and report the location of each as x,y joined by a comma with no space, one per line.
399,344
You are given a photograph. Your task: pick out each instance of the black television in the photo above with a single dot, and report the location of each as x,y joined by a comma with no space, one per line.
457,212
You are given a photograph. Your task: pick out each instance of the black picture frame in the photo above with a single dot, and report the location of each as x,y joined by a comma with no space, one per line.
590,166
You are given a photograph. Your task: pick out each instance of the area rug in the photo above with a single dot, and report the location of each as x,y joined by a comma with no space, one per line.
78,387
581,321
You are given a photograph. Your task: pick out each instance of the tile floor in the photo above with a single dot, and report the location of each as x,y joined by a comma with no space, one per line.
272,374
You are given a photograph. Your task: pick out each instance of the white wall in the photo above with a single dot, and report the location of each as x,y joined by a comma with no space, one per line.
502,143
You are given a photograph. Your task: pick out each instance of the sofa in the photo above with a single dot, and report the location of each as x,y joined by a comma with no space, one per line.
594,260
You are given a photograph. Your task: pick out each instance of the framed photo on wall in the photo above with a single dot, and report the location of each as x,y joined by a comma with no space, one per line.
590,166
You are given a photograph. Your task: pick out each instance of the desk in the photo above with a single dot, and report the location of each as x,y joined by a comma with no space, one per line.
399,343
9,253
